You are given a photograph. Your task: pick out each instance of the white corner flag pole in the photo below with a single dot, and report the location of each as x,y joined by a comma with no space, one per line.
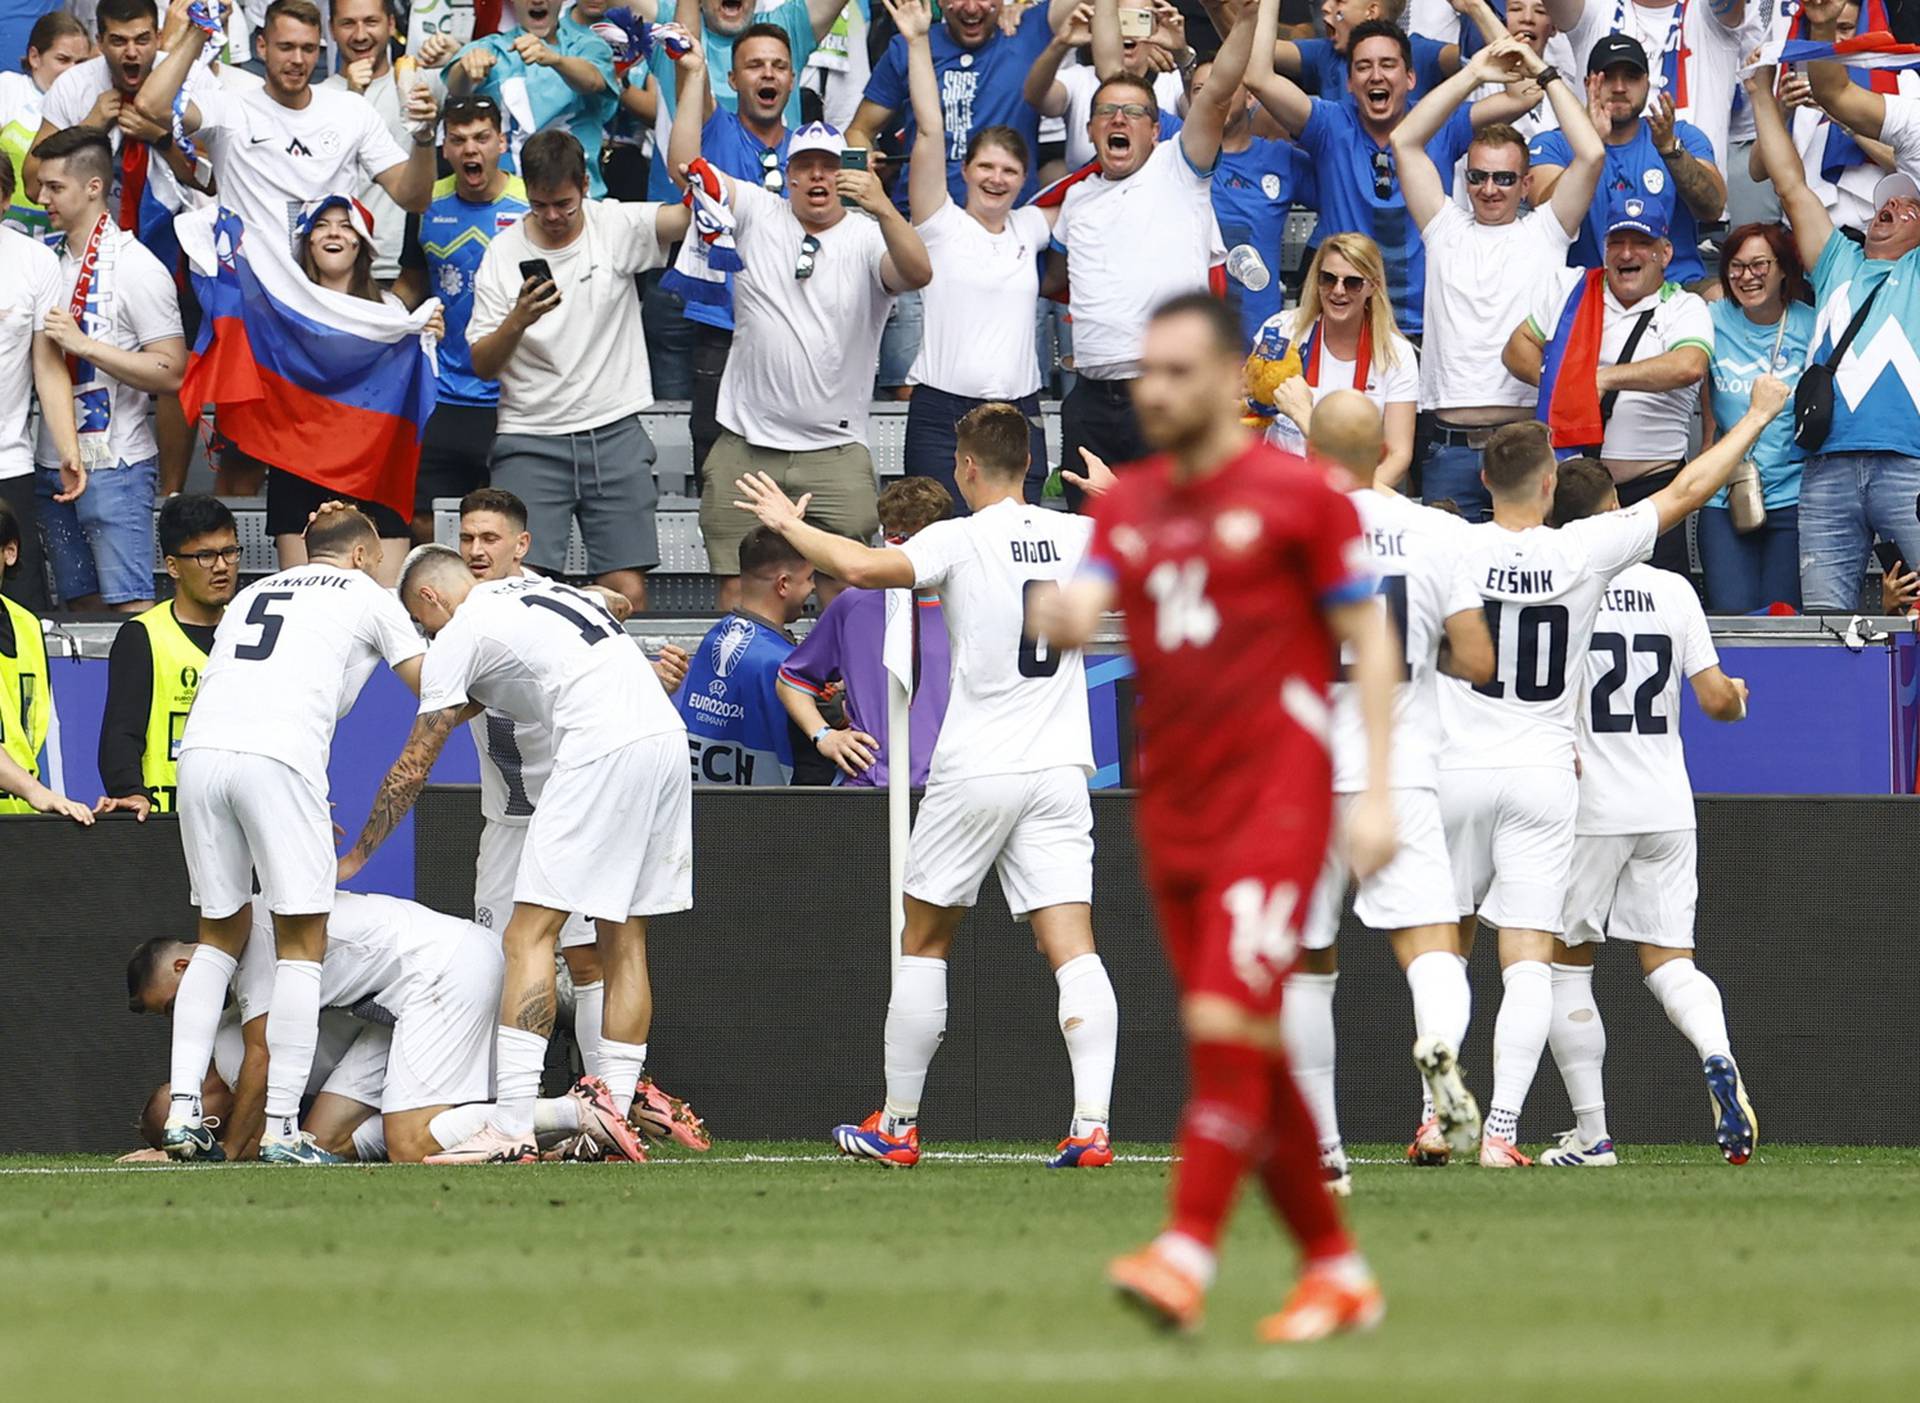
897,657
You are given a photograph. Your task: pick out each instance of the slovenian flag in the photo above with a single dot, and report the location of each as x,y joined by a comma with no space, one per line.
335,388
1569,401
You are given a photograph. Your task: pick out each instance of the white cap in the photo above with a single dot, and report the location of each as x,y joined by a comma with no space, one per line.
816,136
1895,186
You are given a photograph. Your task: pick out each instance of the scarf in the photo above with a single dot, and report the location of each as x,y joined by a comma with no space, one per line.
1362,360
92,391
701,269
1569,403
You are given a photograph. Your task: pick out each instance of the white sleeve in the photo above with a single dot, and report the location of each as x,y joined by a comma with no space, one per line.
253,977
448,670
1446,222
378,151
1402,382
496,286
635,235
1697,652
45,287
64,105
1900,129
750,202
1462,593
1692,321
389,630
153,304
934,551
1543,311
1615,540
218,108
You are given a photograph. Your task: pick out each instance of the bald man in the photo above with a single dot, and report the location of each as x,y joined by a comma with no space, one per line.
1438,617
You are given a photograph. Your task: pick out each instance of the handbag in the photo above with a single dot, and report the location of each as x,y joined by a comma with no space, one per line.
1813,396
1746,498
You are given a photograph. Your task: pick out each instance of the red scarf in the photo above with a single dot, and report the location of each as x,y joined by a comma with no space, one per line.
133,182
1362,361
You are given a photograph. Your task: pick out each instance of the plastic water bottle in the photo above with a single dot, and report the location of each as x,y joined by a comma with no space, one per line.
1245,267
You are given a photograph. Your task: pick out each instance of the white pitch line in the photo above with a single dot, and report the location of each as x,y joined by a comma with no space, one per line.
942,1156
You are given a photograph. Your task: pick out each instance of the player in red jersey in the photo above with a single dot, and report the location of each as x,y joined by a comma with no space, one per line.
1240,570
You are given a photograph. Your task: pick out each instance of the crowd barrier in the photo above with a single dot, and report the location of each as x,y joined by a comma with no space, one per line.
770,994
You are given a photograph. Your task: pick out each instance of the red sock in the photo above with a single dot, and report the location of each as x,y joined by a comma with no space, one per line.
1291,1174
1224,1124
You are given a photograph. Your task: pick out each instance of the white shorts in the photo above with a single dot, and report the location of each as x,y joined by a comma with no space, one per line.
1641,887
1035,830
350,1059
614,839
243,815
443,1031
493,878
1413,890
1510,837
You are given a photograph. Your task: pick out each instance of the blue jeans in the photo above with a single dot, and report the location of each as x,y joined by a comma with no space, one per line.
1747,571
1452,473
900,341
102,541
930,443
669,334
1845,498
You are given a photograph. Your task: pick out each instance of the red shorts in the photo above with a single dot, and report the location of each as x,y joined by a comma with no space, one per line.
1234,929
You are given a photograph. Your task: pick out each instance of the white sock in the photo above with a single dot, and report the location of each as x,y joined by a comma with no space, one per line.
589,1005
458,1124
621,1065
1090,1022
1190,1254
196,1018
1306,1023
370,1141
1578,1038
555,1113
519,1058
293,1028
916,1021
1442,1006
1519,1037
1691,999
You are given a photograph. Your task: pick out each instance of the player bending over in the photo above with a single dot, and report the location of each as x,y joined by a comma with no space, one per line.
515,760
612,837
1008,785
289,657
1634,873
1507,783
1240,571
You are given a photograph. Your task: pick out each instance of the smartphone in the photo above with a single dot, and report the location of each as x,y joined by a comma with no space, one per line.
1888,555
853,158
1136,24
536,268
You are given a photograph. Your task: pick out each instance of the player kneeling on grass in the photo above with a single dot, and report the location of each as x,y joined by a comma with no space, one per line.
1008,785
1634,875
1241,572
612,837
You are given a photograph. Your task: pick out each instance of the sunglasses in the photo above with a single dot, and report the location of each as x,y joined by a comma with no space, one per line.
1506,180
205,558
770,177
803,267
1382,174
1352,282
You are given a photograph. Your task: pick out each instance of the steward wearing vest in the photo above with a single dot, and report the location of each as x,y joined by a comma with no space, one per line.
25,701
158,656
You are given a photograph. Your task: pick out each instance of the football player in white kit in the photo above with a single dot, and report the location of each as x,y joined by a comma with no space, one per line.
1441,628
1507,781
1007,789
515,759
612,837
1634,874
288,660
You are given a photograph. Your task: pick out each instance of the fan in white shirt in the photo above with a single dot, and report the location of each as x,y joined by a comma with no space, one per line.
1634,872
1507,786
1440,626
289,657
612,837
1007,789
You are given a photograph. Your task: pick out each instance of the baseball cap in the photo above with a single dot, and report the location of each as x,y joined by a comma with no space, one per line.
1895,186
1614,49
816,136
358,215
1640,216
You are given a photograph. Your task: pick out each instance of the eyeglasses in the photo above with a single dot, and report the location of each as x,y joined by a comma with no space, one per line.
1756,267
1352,282
770,177
1382,174
205,558
803,267
1506,180
1135,110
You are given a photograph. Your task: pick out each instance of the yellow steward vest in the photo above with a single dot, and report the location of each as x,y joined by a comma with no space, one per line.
177,665
24,699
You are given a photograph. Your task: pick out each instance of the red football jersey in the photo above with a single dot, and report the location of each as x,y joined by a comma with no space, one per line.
1223,581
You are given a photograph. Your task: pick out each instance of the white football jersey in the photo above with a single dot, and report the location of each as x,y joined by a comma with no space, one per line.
1415,554
515,759
289,657
1651,634
374,945
1541,588
552,656
1014,707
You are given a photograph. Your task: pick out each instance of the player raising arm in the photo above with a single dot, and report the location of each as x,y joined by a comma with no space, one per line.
1240,571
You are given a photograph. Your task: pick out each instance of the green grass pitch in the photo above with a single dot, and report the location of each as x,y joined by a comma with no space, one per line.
776,1272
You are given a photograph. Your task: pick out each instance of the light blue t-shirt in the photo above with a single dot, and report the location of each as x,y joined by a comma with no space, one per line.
1743,351
554,103
1876,400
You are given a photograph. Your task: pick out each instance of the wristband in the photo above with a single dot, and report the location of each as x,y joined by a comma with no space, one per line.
1547,75
819,735
1669,155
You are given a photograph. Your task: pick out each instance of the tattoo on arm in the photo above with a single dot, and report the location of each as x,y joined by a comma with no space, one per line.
536,1011
406,779
1696,186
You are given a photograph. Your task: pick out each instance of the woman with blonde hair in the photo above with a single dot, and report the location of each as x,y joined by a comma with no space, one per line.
1344,332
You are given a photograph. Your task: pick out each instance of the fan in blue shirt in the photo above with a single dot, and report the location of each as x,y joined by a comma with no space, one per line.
981,73
565,73
1255,186
1655,158
1319,66
1359,188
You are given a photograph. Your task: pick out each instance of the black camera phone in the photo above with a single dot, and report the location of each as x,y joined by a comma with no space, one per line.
536,268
